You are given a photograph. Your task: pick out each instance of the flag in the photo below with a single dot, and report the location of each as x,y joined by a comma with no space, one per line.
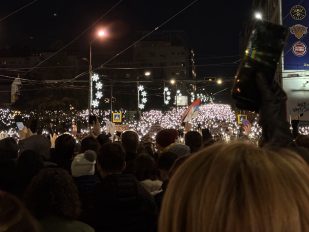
192,111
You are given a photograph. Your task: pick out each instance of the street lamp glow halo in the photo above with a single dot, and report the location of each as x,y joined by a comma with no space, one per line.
147,73
258,15
101,33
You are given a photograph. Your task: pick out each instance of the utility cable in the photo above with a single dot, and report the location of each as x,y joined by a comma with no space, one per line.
148,34
76,38
19,9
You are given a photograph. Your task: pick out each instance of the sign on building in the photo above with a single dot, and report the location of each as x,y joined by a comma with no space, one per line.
295,17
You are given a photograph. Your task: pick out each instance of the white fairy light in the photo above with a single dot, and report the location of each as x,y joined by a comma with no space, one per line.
95,77
142,97
99,95
95,103
192,97
98,90
98,85
166,95
140,88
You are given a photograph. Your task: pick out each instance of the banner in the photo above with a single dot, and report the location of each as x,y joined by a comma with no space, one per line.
297,90
295,17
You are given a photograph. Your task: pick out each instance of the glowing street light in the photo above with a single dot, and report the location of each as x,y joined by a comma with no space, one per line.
100,34
258,15
219,81
173,81
147,73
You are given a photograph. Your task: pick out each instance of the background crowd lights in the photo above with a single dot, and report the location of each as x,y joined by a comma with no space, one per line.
220,119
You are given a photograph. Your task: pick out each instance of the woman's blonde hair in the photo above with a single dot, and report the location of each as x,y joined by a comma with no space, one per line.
238,187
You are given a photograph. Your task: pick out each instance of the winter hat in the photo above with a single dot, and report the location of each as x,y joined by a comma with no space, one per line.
178,149
166,137
84,164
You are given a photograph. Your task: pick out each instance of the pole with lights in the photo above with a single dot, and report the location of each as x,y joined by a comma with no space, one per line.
100,34
141,94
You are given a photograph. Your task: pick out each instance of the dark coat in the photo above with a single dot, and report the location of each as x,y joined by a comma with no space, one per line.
86,186
37,143
122,204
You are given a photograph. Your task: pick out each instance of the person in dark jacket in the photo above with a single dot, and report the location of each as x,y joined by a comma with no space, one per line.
83,172
130,141
52,198
14,216
194,140
31,139
121,203
29,163
63,153
8,156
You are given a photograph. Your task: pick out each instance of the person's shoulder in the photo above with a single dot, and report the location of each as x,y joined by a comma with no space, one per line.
79,226
63,225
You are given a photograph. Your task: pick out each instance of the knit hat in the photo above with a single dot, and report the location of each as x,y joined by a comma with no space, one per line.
84,164
166,137
178,149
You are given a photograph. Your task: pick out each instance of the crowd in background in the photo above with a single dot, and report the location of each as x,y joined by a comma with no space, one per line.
157,182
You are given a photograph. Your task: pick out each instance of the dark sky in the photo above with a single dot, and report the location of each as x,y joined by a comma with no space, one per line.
212,27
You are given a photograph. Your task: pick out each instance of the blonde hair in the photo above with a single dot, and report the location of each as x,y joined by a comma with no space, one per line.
238,187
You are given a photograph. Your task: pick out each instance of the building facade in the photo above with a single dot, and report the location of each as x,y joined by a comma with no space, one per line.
293,71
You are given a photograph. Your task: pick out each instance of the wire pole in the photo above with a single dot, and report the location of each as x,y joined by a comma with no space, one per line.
111,101
90,82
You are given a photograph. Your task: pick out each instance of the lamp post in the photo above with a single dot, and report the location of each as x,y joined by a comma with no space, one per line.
90,80
141,100
100,34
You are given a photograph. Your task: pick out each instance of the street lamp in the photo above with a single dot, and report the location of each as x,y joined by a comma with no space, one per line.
100,34
258,15
219,81
147,73
172,81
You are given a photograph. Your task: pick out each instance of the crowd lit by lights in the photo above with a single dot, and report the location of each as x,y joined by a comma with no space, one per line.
220,119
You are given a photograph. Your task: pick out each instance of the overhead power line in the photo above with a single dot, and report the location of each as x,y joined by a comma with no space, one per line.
19,9
76,38
148,34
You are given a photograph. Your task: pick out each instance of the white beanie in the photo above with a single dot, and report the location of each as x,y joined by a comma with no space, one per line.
84,164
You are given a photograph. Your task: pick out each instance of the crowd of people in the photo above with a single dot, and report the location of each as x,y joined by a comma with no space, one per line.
166,181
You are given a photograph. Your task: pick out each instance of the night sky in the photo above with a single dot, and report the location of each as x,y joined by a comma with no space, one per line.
212,27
